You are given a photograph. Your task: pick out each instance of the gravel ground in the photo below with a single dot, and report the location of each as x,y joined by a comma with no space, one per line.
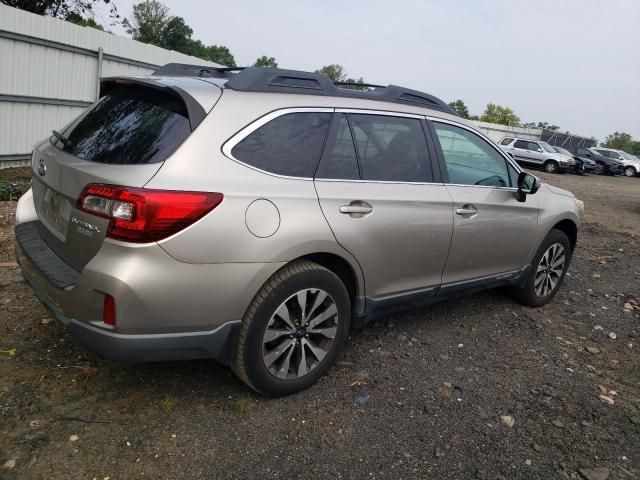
480,387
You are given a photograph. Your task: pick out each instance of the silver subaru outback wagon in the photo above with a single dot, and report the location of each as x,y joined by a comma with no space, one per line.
254,216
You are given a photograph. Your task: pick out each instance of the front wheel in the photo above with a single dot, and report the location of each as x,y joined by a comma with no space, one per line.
630,172
293,330
550,166
599,169
546,272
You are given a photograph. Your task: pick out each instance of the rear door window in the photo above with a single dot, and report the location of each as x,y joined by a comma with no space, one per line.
289,145
129,125
521,144
391,148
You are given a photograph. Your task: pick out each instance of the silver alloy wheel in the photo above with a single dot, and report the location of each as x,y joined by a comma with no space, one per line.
629,171
300,333
550,167
549,270
599,169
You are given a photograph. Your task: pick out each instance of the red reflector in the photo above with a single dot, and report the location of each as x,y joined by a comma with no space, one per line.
109,310
143,215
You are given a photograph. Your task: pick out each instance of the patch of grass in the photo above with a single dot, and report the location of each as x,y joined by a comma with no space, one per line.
243,404
168,404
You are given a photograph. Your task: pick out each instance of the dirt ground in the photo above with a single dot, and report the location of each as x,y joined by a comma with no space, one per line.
480,387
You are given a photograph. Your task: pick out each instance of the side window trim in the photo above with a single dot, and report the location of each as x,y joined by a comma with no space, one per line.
332,138
443,166
247,130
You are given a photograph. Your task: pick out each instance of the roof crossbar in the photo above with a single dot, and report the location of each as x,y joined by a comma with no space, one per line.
277,80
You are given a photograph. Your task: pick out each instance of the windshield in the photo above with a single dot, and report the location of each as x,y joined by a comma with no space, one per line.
626,156
547,147
562,150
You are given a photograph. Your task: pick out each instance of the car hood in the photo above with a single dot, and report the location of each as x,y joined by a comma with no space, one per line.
559,191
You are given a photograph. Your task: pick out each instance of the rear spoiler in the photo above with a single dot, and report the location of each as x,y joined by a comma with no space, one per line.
194,109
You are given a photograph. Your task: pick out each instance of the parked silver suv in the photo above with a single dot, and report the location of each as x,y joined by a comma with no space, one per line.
255,216
539,154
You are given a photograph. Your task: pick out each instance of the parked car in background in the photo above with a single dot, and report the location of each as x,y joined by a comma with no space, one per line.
255,217
604,165
630,164
582,165
539,154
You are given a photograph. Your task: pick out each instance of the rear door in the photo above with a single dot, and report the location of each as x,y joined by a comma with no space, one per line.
382,203
522,152
493,232
123,140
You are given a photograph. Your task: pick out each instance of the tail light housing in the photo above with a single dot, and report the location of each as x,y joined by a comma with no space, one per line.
141,215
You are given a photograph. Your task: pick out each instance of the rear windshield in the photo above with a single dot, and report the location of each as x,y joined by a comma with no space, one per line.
129,125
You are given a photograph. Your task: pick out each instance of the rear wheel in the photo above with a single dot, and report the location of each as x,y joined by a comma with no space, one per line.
547,271
293,330
599,169
551,166
630,171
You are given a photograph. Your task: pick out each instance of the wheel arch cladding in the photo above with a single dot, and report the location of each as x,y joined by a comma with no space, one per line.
570,230
338,266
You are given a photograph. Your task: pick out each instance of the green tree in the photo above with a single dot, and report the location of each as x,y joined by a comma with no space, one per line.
82,21
150,18
264,61
337,73
334,71
499,114
62,8
151,23
218,54
176,35
460,107
620,141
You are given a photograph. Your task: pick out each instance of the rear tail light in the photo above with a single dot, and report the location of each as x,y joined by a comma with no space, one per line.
142,215
109,310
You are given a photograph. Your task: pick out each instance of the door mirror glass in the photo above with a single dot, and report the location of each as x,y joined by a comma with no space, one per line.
527,185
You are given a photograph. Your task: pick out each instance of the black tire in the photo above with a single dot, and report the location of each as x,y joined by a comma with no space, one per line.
551,166
248,363
526,293
630,171
599,169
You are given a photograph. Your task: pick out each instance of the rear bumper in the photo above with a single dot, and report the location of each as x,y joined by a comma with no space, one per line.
217,344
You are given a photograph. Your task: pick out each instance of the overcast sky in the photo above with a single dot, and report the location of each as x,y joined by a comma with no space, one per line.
575,63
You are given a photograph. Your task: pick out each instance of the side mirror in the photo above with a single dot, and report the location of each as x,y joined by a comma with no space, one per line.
587,154
540,150
527,185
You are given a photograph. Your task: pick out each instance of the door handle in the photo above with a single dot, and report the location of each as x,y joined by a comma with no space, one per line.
467,211
355,209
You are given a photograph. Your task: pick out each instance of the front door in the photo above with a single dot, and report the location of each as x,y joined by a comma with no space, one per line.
493,232
380,203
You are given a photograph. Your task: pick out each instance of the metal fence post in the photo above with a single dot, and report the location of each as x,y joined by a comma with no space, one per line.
99,74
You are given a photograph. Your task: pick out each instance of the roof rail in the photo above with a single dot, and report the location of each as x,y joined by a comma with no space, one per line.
277,80
185,70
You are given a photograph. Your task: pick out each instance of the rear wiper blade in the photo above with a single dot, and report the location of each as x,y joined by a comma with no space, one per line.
61,137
